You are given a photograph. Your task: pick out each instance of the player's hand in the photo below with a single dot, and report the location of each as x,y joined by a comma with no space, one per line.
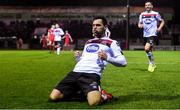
77,53
140,26
102,55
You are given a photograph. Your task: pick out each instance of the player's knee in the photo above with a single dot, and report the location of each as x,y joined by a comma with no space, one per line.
55,95
146,49
94,98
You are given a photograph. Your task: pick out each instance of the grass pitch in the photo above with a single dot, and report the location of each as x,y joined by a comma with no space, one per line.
27,78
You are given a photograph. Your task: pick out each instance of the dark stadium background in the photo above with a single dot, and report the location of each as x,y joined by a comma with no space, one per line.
157,3
170,28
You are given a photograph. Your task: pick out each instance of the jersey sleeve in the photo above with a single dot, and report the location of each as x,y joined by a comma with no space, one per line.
61,32
117,57
158,17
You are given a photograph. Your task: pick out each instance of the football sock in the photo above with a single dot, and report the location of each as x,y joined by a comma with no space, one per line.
150,57
58,50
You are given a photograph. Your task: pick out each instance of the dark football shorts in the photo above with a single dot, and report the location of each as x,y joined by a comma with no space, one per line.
149,40
78,83
58,43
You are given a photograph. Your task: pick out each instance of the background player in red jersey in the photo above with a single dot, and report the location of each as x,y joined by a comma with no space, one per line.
67,38
51,38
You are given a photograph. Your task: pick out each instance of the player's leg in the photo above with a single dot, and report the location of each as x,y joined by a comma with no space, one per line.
49,46
97,97
148,49
65,88
56,95
52,46
58,47
94,97
89,84
150,57
105,96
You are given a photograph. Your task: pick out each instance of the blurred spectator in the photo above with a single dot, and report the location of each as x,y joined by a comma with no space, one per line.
19,43
43,41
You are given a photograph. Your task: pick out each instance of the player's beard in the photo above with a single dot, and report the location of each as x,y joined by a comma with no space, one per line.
97,34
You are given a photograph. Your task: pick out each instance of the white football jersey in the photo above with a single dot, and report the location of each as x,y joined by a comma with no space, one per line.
149,21
89,61
58,32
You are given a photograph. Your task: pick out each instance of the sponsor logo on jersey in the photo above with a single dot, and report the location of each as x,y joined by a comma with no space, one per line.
92,48
147,21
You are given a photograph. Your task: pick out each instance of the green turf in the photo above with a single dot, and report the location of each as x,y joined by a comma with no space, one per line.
27,78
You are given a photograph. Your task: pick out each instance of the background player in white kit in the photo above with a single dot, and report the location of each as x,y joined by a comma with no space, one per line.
148,20
87,72
58,33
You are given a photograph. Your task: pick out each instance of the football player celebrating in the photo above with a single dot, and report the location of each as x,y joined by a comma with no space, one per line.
87,72
148,20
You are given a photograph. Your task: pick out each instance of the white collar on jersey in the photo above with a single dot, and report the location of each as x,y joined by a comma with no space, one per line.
104,37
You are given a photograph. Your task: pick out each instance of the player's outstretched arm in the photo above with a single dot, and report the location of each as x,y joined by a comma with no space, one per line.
118,59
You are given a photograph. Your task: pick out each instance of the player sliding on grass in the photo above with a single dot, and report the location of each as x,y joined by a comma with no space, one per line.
87,73
148,20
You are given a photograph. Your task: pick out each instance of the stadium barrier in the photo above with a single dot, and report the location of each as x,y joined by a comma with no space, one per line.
25,46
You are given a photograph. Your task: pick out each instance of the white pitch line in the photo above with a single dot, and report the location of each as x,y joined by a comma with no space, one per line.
162,63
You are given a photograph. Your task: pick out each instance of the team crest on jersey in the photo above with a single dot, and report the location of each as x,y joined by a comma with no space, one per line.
92,48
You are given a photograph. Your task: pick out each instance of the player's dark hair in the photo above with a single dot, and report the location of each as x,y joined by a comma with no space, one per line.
149,2
102,18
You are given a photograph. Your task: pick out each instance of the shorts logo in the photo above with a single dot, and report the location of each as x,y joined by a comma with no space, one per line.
94,85
92,48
